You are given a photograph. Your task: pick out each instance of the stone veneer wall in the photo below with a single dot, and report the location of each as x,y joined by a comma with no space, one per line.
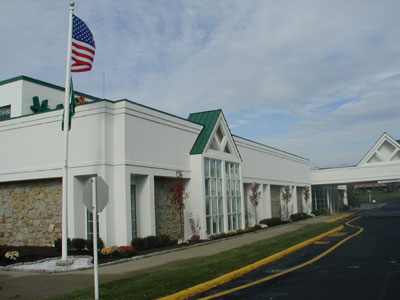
300,199
167,218
30,212
276,201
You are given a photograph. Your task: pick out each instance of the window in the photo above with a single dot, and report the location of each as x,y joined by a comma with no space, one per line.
133,211
89,225
214,196
5,112
233,197
320,195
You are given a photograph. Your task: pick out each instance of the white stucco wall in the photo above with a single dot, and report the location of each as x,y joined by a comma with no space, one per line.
123,142
11,94
264,164
158,140
369,172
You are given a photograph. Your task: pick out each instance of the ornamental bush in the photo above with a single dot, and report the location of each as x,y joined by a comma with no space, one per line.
299,217
58,243
107,251
126,251
165,240
195,238
89,244
78,244
140,244
318,212
271,222
12,255
151,242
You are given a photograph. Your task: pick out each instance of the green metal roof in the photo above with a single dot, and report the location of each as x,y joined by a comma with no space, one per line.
208,119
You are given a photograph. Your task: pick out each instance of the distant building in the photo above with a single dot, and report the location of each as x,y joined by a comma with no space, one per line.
378,168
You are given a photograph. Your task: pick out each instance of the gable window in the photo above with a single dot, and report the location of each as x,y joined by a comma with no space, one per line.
233,197
213,196
226,150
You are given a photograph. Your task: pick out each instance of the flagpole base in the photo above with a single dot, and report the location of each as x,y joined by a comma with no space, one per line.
64,263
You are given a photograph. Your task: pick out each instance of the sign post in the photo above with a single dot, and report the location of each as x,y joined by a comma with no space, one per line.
95,198
95,258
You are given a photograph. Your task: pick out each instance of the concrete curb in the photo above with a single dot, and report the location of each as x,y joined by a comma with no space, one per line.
340,218
234,274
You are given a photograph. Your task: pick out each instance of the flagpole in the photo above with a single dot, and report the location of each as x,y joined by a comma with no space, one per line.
64,248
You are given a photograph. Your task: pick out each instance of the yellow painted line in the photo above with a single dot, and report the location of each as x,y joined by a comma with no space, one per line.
294,268
322,242
197,289
340,218
339,234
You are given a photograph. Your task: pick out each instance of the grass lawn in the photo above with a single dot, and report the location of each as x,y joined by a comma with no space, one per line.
379,196
173,279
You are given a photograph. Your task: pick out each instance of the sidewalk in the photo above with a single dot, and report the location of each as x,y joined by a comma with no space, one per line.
28,285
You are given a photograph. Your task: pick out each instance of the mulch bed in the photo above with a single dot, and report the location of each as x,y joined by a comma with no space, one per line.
32,253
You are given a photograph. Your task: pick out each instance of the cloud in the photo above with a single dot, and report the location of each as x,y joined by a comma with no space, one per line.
316,78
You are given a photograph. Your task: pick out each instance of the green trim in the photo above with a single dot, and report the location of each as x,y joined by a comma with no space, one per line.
50,85
95,99
208,119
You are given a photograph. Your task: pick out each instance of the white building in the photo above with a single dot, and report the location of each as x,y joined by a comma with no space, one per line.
137,151
379,166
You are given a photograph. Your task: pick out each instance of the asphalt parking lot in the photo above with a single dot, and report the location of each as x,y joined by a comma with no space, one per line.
367,266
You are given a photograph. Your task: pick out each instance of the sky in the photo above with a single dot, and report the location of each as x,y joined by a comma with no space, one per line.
319,79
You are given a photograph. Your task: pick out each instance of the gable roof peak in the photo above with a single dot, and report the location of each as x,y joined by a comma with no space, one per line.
385,149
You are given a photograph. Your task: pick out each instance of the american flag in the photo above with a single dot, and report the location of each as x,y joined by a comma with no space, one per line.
83,46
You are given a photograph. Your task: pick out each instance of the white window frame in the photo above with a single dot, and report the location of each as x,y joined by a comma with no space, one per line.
133,211
233,195
89,225
214,196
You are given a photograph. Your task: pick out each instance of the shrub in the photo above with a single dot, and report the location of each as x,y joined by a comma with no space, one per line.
126,251
239,231
165,240
153,242
58,243
218,236
107,251
140,244
12,255
299,217
257,227
78,244
248,229
318,212
195,238
89,244
271,222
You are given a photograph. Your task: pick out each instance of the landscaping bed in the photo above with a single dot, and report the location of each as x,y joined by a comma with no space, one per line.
32,253
140,246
